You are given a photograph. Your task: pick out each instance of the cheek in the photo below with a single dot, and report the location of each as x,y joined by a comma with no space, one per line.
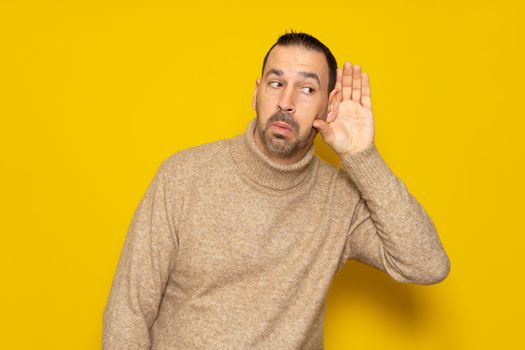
269,91
266,104
312,104
310,110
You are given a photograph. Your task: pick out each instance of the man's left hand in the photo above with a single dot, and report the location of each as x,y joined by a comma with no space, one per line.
351,129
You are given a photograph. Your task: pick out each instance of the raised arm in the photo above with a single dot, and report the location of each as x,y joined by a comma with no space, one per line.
143,270
390,230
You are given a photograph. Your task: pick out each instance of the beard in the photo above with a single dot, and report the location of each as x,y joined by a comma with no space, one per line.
278,144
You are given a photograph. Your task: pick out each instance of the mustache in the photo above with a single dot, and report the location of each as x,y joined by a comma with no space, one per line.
283,117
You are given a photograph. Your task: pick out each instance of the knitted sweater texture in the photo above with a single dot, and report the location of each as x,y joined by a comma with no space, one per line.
230,250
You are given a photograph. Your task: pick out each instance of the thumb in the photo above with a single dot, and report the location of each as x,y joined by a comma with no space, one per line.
323,127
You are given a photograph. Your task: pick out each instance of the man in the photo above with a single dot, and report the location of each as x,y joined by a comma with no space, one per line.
235,242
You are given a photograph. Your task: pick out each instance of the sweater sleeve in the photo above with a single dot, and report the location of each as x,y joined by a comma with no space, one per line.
390,230
145,263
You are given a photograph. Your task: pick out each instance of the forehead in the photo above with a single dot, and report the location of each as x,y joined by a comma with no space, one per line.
293,59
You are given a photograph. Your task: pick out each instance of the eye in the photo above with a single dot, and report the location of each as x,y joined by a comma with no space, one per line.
275,84
308,90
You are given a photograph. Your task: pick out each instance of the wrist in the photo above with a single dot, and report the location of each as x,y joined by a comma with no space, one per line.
354,151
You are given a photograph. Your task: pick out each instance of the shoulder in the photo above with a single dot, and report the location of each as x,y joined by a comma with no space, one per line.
196,157
336,177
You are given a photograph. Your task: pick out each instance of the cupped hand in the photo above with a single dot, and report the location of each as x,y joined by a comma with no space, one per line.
351,129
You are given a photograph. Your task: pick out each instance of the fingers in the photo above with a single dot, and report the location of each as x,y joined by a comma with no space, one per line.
351,82
338,84
365,90
347,81
356,84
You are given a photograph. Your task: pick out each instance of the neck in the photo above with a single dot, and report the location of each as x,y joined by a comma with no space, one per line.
283,161
255,165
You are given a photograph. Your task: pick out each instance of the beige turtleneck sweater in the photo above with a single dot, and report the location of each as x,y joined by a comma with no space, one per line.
230,250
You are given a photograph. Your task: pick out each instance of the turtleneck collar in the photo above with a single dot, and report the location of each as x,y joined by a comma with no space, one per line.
254,164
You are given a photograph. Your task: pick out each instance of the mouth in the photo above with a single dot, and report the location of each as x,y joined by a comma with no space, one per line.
282,127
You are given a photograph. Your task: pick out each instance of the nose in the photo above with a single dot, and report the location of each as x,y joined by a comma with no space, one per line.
286,103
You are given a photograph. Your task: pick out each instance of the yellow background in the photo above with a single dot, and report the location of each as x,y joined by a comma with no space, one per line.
95,94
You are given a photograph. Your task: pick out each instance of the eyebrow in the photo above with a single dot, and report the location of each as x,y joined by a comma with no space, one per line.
279,72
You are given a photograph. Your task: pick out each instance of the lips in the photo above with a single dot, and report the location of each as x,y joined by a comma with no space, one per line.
282,125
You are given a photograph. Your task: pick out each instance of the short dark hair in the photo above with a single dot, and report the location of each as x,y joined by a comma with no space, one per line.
308,42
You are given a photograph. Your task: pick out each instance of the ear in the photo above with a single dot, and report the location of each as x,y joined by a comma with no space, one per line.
254,99
333,105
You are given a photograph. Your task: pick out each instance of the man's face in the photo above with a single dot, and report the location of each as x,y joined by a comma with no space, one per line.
290,95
